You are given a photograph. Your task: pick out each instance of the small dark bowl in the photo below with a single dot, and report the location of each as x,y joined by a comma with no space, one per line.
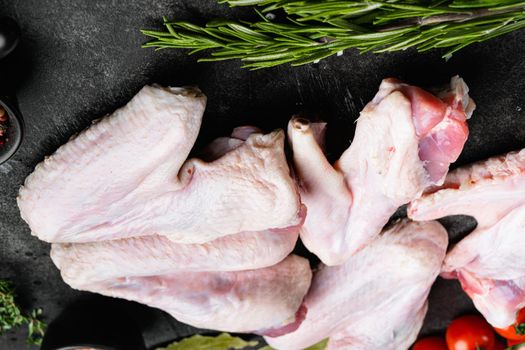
15,130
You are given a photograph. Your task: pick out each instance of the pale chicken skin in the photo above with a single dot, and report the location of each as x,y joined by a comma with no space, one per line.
405,140
156,255
208,241
378,298
130,177
241,301
489,261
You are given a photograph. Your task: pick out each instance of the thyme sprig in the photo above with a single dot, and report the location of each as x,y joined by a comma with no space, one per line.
315,29
12,317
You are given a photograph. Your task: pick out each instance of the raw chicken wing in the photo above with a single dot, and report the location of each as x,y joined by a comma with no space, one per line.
404,141
489,261
378,298
205,240
128,176
242,301
156,255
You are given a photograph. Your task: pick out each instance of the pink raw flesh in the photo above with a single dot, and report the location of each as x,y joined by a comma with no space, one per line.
497,300
427,110
441,126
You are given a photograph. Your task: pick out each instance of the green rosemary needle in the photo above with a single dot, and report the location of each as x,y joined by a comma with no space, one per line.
315,29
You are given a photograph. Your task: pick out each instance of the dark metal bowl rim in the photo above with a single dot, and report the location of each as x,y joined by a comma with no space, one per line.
9,149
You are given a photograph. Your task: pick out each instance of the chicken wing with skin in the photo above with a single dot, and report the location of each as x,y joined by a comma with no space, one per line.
405,140
128,176
239,301
378,298
80,263
206,241
488,262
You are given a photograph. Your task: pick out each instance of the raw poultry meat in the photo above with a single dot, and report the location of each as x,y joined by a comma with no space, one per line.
405,140
241,301
156,255
128,176
206,241
489,261
378,298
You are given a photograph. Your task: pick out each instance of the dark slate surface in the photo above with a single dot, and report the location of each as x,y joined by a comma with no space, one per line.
82,59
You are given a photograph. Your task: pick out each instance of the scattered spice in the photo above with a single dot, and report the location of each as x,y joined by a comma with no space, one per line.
4,123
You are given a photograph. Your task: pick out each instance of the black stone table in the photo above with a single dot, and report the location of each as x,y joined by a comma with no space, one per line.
79,60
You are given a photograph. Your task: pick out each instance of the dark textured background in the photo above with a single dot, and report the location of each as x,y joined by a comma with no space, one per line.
82,59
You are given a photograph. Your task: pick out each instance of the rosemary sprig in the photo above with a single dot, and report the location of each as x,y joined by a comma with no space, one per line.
11,316
315,29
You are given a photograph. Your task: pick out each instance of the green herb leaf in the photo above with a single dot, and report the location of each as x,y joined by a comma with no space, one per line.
36,328
520,329
223,341
319,346
11,316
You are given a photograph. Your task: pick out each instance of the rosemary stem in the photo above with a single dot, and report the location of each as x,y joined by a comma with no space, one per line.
450,18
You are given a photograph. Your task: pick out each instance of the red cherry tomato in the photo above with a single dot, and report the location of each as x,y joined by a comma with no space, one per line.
470,333
516,342
430,343
516,331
